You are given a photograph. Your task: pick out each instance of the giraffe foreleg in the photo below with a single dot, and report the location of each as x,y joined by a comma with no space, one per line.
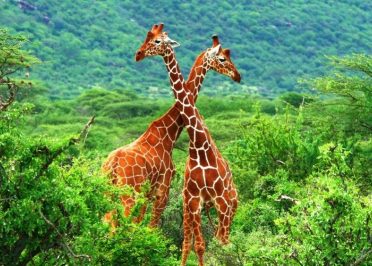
141,214
187,234
111,220
224,210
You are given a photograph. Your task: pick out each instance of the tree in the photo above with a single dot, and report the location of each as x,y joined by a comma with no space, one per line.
348,93
12,60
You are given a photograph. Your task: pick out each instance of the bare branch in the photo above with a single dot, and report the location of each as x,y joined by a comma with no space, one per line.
286,198
363,124
12,90
52,156
85,131
362,257
64,244
294,256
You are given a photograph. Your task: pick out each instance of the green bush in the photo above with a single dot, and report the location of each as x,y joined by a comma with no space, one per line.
52,205
52,199
270,144
331,223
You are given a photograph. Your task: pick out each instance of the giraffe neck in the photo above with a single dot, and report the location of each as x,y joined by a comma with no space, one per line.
175,76
197,75
168,128
171,123
185,104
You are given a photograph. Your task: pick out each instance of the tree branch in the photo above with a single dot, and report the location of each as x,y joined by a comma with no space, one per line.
362,257
64,244
59,151
363,124
12,90
210,218
286,198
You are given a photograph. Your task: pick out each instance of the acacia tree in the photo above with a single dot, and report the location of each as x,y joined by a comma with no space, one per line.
346,108
13,60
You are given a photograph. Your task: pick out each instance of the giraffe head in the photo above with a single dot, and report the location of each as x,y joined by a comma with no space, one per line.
219,60
156,43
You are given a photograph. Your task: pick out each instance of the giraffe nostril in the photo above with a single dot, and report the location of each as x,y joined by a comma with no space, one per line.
237,77
139,56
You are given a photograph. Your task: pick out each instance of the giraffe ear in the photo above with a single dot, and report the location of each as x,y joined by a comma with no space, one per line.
227,52
214,51
172,43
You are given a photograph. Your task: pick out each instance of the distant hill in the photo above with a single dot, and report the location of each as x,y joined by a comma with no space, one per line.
92,43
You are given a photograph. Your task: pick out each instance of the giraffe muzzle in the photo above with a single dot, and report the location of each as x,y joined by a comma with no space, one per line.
237,77
139,55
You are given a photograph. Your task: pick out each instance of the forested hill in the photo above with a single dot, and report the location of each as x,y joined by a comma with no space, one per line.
92,43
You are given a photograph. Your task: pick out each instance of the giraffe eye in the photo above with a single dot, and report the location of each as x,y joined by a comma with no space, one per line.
157,41
222,59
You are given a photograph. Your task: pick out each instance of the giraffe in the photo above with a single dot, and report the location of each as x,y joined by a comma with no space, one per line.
208,179
150,156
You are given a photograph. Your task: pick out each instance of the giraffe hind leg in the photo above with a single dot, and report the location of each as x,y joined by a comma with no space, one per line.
161,197
195,217
224,219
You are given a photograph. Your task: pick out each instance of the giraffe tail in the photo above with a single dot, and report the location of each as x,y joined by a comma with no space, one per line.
207,207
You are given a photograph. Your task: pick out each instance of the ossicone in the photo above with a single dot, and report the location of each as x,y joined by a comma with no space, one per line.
215,40
157,28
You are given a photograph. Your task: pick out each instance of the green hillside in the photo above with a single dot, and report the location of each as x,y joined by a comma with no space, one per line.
92,43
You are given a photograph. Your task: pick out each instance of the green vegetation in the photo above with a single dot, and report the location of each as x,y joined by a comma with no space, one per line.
92,43
302,164
52,198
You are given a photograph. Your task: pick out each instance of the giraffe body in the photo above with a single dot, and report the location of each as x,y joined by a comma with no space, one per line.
150,156
208,179
147,158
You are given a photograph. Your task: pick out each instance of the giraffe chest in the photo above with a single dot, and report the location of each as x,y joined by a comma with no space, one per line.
208,182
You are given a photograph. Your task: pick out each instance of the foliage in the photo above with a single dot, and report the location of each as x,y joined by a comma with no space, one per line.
12,59
52,201
269,145
329,224
332,224
321,218
351,88
347,111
